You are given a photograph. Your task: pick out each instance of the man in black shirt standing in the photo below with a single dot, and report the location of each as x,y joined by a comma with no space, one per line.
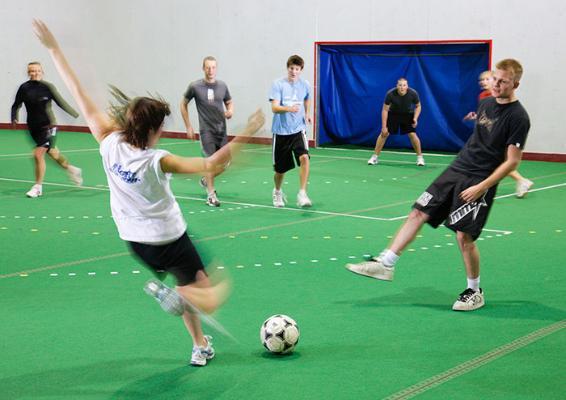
400,114
37,95
463,194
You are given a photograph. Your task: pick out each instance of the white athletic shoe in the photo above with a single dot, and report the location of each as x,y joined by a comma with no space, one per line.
212,200
523,187
373,160
75,175
170,301
420,161
303,199
469,300
201,355
34,192
373,268
279,198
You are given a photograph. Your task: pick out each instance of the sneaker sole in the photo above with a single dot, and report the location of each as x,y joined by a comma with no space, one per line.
464,307
376,276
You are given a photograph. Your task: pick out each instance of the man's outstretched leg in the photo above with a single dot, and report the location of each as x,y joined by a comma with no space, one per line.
383,266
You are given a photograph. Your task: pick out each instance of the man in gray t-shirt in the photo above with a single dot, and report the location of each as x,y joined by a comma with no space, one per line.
214,106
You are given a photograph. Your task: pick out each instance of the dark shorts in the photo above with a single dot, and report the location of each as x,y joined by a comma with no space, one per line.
400,123
212,141
287,150
44,136
179,258
441,203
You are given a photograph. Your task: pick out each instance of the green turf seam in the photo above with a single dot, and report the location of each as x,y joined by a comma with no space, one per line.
477,362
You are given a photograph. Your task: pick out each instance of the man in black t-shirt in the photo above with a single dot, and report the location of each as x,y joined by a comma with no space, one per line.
400,114
37,94
463,194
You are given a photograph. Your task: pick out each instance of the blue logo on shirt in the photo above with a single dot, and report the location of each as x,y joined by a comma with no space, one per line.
126,176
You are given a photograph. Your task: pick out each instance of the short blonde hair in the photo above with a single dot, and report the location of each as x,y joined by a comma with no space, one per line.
485,74
511,65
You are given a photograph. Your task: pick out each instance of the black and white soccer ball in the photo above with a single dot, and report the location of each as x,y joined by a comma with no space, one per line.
279,334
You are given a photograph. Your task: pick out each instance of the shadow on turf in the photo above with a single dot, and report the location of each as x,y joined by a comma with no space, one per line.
436,300
141,378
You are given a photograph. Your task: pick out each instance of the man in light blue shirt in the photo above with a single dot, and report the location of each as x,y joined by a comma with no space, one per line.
290,103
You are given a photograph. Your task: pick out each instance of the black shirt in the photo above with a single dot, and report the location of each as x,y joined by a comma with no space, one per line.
37,96
497,127
402,104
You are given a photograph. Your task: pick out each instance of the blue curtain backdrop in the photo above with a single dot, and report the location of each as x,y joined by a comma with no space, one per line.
353,81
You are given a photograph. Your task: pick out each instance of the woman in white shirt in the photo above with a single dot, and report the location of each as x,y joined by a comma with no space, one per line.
144,209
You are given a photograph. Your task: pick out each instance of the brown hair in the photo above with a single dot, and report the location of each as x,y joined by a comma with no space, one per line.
34,63
296,60
513,66
138,118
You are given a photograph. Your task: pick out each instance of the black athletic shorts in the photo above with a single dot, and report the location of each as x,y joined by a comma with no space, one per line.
441,202
400,123
44,136
179,258
212,141
287,150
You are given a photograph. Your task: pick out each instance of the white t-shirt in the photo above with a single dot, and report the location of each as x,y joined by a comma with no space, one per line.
143,206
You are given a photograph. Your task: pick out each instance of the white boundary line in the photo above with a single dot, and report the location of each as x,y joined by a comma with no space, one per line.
302,210
291,209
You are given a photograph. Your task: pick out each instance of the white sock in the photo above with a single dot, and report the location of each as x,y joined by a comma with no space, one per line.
389,258
474,284
302,191
277,190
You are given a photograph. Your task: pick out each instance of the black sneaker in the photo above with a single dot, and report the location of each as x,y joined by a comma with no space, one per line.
469,300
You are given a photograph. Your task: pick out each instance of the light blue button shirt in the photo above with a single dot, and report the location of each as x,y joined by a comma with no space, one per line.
289,94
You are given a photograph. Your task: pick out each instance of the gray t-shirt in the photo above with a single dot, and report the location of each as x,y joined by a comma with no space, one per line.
209,99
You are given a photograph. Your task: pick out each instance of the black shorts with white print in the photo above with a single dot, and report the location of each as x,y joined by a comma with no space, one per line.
442,203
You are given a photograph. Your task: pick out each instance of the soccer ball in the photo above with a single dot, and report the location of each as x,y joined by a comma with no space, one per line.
279,334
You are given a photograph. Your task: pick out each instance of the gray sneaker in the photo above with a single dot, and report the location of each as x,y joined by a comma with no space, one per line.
373,268
202,183
201,355
469,300
212,200
170,301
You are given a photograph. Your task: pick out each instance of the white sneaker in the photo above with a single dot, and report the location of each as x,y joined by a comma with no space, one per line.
170,301
201,355
420,161
469,300
523,187
212,200
75,175
303,199
373,160
373,268
34,192
279,198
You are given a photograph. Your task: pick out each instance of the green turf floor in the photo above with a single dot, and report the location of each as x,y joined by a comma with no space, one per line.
75,323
